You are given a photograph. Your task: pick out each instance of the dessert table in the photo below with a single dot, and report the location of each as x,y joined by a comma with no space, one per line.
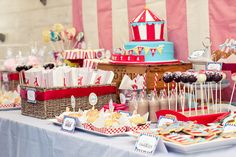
22,136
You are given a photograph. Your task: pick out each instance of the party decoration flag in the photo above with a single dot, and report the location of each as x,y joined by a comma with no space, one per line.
160,49
136,50
146,49
153,51
140,49
131,51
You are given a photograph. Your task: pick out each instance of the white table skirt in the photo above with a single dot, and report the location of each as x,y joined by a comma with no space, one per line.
22,136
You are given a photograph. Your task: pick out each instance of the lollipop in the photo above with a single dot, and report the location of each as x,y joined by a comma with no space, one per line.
58,27
167,78
201,78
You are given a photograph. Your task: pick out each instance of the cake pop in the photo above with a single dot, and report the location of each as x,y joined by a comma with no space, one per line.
201,78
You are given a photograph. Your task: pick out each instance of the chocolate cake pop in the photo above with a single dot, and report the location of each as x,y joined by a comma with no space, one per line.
209,76
176,76
192,78
217,77
19,68
184,77
167,77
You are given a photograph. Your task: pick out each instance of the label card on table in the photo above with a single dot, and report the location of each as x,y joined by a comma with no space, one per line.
148,144
126,113
5,77
31,97
165,120
69,124
214,66
93,99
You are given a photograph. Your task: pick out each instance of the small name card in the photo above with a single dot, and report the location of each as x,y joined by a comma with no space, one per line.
146,143
165,120
31,97
214,66
229,127
69,124
125,113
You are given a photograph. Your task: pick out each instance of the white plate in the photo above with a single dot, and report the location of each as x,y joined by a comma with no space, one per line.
54,121
201,147
198,147
10,108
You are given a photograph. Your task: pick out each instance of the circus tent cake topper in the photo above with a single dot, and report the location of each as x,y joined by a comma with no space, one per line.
147,27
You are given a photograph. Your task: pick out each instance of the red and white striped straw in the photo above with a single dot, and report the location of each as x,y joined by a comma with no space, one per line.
144,83
155,82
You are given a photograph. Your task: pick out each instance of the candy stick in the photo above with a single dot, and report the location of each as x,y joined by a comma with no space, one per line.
189,107
201,78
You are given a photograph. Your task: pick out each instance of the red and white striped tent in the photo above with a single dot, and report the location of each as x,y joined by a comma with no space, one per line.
147,27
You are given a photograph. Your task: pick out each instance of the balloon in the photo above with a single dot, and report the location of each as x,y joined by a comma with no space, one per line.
46,36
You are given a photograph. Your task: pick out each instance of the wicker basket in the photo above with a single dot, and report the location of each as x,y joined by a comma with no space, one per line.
57,102
12,80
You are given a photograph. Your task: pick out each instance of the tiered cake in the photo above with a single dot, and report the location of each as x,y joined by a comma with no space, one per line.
148,43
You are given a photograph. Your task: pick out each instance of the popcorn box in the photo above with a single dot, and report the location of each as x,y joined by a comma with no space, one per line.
10,80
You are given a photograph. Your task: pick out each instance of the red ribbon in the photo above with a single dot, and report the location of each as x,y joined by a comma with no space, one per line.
13,76
67,93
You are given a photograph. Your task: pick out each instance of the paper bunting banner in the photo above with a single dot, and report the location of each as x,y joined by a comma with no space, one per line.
130,51
136,50
160,49
153,51
140,49
146,49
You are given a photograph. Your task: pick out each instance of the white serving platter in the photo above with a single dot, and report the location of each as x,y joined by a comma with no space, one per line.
10,108
54,121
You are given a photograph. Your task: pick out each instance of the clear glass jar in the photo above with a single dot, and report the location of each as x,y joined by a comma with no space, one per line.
133,103
153,106
163,100
142,104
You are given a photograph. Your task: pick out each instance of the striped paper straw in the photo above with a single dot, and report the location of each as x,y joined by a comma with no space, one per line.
144,83
155,82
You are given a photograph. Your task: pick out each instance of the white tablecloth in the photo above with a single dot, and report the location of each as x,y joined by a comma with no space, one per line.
22,136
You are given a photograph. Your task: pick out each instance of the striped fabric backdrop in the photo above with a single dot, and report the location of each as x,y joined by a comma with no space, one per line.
106,22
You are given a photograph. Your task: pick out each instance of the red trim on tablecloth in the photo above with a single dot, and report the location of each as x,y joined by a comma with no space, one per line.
67,93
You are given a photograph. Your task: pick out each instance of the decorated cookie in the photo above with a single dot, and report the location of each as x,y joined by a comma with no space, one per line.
180,138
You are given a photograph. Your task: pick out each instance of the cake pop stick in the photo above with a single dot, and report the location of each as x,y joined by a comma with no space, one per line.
176,78
223,78
232,94
217,78
201,78
144,84
167,78
184,79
